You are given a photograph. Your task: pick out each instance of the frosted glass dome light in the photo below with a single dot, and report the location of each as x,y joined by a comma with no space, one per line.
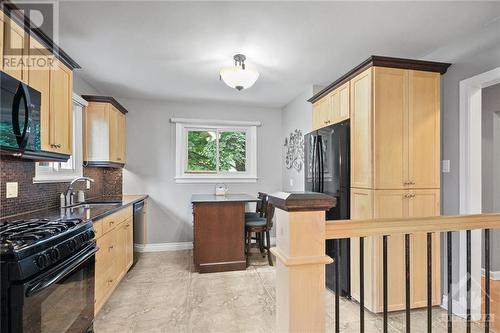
238,76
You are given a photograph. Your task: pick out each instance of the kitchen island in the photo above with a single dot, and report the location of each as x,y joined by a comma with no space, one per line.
219,231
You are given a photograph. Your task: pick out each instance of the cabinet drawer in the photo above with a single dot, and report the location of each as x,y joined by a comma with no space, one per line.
111,221
98,229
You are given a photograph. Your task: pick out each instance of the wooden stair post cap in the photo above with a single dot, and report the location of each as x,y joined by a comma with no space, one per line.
302,201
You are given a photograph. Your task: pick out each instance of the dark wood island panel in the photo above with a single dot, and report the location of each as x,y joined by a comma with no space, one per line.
218,232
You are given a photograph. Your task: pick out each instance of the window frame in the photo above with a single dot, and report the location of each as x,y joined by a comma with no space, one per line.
183,126
52,174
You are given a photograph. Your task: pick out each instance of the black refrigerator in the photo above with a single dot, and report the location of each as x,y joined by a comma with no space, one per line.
326,154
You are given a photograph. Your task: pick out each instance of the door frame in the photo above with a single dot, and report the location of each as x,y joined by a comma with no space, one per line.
470,186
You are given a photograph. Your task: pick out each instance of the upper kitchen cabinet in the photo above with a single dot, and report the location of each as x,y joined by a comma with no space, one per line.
31,57
15,45
332,108
394,107
105,127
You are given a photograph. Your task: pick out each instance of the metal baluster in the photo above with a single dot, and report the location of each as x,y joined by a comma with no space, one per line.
429,282
469,280
361,284
407,282
337,288
450,280
384,273
487,279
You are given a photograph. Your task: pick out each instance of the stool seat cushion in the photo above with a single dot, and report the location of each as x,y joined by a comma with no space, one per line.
258,222
251,215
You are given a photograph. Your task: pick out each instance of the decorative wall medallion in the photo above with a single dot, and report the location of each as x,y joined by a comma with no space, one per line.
294,156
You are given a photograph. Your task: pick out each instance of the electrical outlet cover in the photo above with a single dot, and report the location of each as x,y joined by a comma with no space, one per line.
11,189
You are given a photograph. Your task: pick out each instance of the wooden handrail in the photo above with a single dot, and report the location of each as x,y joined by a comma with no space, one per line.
339,229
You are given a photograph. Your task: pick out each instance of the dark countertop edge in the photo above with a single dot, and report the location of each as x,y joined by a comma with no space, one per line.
382,61
115,209
302,201
44,212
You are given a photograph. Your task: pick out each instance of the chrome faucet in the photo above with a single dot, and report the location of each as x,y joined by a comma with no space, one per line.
69,196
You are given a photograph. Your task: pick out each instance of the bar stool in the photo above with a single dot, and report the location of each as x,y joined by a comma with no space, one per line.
261,226
260,207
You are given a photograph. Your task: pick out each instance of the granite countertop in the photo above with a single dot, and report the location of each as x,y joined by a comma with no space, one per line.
207,198
85,213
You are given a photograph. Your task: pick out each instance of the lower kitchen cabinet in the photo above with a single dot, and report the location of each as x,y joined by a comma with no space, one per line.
368,204
114,258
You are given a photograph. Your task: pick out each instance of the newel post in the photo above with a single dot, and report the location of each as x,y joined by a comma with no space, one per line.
300,260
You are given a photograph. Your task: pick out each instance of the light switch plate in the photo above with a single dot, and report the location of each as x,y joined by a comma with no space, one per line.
11,189
291,181
446,166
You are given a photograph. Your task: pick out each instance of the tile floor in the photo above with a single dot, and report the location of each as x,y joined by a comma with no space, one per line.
163,294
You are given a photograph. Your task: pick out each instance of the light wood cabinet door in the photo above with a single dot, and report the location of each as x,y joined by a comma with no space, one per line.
120,257
322,112
361,208
114,134
15,50
424,203
39,79
424,129
361,130
61,120
129,244
121,138
390,204
344,102
390,92
96,142
2,27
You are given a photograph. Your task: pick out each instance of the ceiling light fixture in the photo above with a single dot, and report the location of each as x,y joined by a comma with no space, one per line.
238,76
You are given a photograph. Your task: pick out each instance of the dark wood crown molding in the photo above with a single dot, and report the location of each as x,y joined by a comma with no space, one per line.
105,99
12,11
302,201
380,61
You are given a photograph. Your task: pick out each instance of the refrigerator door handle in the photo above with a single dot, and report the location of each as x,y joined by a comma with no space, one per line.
321,168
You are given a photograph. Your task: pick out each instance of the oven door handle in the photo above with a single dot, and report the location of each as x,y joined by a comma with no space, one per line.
50,280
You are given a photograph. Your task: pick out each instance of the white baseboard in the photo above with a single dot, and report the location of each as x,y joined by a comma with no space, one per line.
160,247
494,275
458,309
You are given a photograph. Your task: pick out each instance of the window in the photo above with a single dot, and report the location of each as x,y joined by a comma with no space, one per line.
51,172
214,151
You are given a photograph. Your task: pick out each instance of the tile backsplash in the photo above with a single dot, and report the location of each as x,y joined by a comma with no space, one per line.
31,197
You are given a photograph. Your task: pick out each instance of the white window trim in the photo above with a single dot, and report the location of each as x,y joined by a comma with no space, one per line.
182,126
47,174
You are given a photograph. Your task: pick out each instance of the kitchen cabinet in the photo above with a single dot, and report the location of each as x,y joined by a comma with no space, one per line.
33,59
114,258
395,204
15,50
60,114
333,108
56,86
105,128
394,111
395,124
2,23
361,130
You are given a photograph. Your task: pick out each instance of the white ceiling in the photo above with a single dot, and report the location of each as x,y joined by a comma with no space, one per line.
174,50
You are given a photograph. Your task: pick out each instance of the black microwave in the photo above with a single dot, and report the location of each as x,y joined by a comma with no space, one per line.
19,117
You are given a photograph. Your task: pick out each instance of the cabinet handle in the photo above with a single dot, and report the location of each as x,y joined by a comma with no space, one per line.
119,158
110,281
111,222
111,247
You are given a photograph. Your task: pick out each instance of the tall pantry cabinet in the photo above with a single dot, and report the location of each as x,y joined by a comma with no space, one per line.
395,170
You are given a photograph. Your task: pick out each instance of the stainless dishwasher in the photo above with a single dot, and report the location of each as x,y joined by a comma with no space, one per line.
138,228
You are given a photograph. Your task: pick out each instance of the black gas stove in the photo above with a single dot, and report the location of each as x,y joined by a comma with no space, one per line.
47,268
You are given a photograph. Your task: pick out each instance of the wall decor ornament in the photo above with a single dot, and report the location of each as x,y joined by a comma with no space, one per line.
294,156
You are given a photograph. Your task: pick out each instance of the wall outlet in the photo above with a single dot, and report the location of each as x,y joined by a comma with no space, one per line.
291,181
11,189
445,166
